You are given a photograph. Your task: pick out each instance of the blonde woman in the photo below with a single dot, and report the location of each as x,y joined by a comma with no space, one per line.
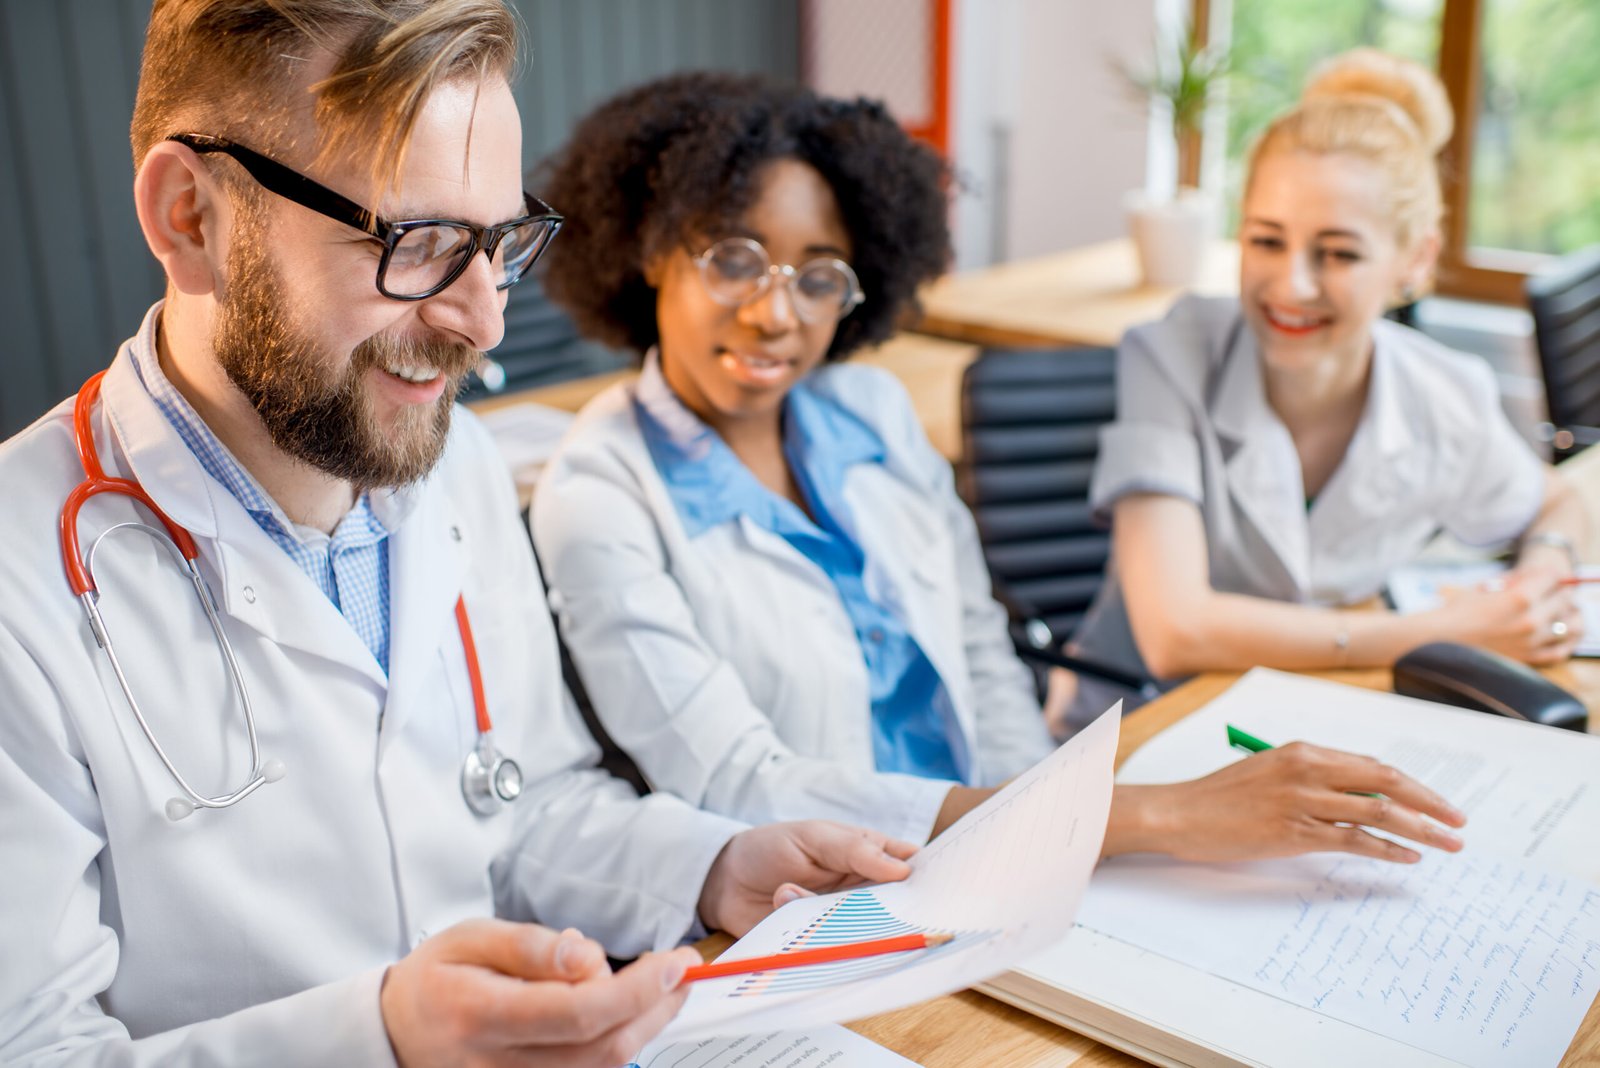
1276,455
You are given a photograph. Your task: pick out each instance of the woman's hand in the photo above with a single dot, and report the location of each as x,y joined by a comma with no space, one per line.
1298,798
764,867
1529,616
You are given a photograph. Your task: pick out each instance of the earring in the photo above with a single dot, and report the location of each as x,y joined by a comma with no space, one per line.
1408,294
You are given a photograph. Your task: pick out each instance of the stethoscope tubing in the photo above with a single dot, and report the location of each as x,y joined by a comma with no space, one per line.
481,772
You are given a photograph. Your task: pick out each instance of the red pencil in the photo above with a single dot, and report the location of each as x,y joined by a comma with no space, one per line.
822,955
1579,580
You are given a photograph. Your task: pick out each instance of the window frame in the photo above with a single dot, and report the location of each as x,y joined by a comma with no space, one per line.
1487,274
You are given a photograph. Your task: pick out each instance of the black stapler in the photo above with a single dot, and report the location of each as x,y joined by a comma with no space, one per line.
1461,675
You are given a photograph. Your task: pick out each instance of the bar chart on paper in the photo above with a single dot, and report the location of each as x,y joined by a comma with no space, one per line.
859,916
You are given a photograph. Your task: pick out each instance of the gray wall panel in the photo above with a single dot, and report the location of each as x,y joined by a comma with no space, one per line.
75,275
24,379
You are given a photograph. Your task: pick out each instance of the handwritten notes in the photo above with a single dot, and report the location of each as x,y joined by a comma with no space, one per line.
1487,957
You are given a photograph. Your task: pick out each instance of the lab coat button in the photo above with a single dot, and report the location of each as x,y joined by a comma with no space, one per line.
250,594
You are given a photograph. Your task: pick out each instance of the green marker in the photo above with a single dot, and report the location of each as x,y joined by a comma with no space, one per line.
1251,744
1248,742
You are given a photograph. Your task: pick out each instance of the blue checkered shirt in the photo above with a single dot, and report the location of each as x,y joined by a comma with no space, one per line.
351,567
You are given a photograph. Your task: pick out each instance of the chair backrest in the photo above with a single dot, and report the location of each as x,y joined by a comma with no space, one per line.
1565,302
1031,429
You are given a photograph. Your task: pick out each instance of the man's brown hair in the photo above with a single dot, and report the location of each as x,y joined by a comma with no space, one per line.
236,69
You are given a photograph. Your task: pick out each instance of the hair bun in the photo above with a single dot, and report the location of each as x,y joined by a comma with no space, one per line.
1367,72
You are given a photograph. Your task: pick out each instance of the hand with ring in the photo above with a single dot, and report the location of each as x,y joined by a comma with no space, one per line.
1529,616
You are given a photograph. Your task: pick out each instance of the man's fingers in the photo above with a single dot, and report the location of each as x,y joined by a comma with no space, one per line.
524,950
571,1014
849,851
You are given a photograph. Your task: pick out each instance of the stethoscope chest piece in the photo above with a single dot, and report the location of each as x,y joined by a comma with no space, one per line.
489,780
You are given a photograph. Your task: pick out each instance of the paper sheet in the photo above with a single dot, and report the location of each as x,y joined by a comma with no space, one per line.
1420,586
1488,957
831,1046
1004,880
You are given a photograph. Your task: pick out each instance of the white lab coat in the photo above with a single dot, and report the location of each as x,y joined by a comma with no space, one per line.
1433,450
726,664
257,934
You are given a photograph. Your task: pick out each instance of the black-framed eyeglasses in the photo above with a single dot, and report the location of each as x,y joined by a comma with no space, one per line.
421,257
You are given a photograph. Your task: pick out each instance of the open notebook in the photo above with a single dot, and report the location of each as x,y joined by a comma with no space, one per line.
1488,957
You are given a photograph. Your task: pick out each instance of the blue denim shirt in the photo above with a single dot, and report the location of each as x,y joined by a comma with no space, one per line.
709,485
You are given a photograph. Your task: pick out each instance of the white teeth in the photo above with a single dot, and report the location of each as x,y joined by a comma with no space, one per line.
1293,321
414,374
760,362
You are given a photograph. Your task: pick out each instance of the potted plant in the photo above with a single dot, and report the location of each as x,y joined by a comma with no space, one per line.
1172,223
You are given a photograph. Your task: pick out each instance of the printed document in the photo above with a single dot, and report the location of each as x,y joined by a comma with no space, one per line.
829,1045
1004,880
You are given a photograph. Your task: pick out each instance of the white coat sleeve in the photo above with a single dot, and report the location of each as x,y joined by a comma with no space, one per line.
1498,483
1009,726
665,694
586,851
1152,446
56,956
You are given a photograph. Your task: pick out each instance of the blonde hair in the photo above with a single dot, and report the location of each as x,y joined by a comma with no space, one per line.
237,69
1380,108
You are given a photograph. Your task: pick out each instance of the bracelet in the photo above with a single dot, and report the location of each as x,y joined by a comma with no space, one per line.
1555,540
1341,642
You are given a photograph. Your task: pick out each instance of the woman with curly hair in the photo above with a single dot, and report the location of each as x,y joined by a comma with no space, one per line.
766,579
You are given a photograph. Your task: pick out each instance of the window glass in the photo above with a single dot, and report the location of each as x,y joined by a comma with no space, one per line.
1535,183
1277,42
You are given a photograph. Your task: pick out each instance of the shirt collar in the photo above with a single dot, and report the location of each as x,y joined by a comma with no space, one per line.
710,485
372,517
1241,410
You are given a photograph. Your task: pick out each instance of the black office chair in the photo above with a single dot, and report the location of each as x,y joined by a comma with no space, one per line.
1030,424
1565,302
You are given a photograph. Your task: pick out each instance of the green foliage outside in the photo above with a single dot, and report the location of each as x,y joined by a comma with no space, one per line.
1536,174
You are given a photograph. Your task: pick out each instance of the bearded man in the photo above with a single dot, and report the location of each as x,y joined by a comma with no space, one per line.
301,784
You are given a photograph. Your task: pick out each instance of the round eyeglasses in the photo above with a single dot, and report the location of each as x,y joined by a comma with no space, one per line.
737,270
420,257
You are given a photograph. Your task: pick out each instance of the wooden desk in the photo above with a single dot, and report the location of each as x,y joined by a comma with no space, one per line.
929,367
1085,296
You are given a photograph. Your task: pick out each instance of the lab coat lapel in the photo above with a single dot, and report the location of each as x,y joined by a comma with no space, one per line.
776,548
427,565
1263,470
253,579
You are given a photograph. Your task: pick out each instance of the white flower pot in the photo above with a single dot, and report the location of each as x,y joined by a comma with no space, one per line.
1171,235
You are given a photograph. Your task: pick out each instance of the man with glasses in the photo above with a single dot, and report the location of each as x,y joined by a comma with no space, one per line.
270,775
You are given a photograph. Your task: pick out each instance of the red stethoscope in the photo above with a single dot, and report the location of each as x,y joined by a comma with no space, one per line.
489,779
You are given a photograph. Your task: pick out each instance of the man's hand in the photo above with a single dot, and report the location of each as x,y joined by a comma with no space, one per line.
489,992
1298,798
765,867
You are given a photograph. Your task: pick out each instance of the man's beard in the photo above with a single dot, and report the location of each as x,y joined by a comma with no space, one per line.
321,420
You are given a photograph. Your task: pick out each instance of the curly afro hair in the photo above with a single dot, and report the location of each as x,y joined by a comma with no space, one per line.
681,157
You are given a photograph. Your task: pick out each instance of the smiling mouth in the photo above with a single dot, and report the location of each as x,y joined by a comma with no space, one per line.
1292,323
415,375
755,369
